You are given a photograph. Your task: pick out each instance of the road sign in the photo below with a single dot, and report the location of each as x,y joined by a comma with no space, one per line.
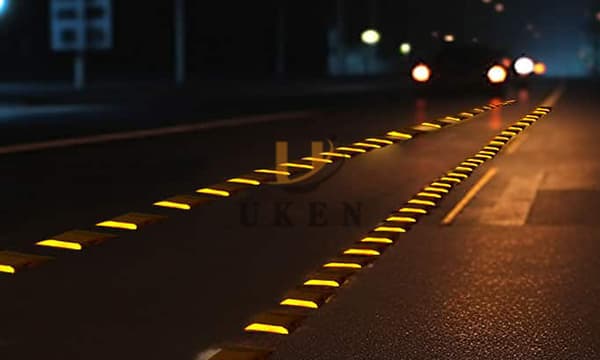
81,25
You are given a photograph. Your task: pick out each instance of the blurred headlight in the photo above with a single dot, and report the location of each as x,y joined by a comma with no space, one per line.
497,74
421,73
539,68
524,66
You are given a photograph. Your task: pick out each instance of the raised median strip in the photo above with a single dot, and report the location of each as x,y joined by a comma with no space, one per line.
355,258
305,165
338,272
11,262
76,240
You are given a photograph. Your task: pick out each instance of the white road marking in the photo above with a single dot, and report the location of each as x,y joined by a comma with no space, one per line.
553,98
580,176
513,206
514,145
207,354
469,196
139,134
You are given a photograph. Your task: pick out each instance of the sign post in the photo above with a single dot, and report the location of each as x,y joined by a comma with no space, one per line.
78,26
179,21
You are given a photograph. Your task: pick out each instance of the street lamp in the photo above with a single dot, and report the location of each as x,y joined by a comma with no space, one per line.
405,48
499,7
449,38
370,37
3,6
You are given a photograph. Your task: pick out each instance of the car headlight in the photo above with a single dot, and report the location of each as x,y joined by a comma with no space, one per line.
497,74
421,73
524,66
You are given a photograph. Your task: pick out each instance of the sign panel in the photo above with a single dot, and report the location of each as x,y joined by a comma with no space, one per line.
81,25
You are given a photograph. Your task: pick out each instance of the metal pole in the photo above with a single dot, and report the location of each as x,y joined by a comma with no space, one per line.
373,13
79,59
465,27
372,49
79,70
341,50
280,38
179,20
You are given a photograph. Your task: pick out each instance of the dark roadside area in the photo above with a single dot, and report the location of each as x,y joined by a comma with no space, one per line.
32,113
36,113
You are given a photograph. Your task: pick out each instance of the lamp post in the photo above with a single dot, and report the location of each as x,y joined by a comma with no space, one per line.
340,32
179,20
371,38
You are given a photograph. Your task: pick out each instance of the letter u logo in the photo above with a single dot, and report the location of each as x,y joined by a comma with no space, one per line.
281,157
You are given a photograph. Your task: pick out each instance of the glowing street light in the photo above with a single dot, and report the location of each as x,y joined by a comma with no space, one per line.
449,38
486,1
499,7
524,66
3,6
370,37
405,48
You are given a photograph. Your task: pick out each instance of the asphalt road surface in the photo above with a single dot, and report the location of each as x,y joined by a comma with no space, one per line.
505,267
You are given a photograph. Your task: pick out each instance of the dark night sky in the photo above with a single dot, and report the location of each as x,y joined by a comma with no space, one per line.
236,39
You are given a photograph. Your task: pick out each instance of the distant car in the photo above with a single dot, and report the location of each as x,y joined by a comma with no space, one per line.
463,66
525,68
